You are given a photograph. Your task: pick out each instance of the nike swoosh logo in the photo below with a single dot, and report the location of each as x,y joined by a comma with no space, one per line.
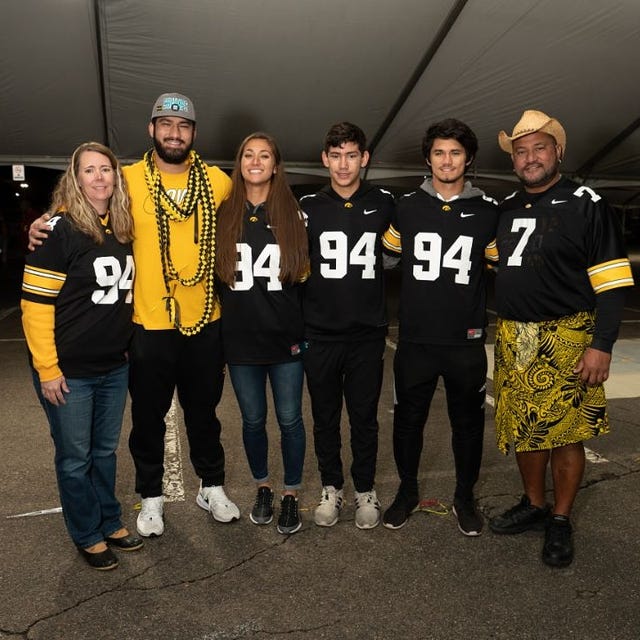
369,211
554,201
467,215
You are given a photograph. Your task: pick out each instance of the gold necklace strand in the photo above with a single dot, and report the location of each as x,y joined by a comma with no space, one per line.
199,191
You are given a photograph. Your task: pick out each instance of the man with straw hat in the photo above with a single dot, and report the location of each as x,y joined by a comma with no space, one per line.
560,293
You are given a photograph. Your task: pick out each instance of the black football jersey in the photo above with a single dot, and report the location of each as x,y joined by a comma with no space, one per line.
344,296
90,285
444,248
557,250
261,316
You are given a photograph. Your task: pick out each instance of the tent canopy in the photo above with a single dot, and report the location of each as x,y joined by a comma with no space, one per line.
77,70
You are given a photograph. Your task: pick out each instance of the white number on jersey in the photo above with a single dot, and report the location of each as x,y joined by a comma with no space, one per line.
580,191
109,274
334,248
267,265
529,225
427,247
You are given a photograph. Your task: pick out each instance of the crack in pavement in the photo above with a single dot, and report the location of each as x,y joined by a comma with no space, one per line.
123,586
605,476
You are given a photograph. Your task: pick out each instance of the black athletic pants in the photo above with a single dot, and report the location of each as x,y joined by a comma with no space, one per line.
417,368
160,362
353,370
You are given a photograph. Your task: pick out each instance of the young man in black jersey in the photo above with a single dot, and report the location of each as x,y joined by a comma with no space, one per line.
559,296
444,232
345,321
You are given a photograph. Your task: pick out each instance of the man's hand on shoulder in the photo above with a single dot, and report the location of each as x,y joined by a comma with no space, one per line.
593,367
38,231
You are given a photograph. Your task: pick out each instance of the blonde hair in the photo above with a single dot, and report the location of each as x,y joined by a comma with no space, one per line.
69,199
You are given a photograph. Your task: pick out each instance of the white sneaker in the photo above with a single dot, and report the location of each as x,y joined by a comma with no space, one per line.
150,522
328,511
367,509
215,500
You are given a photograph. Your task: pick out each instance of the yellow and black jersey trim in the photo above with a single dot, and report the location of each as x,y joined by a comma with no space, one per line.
42,282
391,240
610,275
491,252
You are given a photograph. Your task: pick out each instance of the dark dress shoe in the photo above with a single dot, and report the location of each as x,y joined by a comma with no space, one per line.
102,561
522,517
130,542
558,544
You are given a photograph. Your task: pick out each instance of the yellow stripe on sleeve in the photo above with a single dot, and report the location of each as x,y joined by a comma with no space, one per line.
491,252
610,275
391,240
42,282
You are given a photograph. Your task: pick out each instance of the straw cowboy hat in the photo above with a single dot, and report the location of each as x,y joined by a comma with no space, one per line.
531,122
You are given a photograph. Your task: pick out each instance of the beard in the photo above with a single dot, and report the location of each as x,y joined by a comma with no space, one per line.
171,155
541,180
449,179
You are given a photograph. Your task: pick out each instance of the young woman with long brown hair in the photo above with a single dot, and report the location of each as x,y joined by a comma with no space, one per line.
261,259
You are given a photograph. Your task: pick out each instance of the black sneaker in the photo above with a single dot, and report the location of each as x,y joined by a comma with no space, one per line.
262,512
398,513
521,517
289,520
558,545
470,521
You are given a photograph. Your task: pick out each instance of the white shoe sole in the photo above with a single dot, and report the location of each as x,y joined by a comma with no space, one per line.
469,534
367,525
394,527
324,523
260,522
151,534
288,533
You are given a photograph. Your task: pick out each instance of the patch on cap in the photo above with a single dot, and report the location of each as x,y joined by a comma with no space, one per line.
174,104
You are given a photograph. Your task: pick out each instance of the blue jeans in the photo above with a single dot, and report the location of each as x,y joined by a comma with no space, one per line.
249,383
85,433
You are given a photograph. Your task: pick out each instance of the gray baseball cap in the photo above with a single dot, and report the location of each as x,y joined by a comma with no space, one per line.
174,104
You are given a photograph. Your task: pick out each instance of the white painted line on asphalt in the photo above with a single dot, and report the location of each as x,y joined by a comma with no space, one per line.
173,481
593,456
40,512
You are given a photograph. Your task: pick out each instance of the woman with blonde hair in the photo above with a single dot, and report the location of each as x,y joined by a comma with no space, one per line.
76,315
261,258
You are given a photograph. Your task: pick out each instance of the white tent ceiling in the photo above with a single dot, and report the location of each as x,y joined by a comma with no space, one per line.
74,70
